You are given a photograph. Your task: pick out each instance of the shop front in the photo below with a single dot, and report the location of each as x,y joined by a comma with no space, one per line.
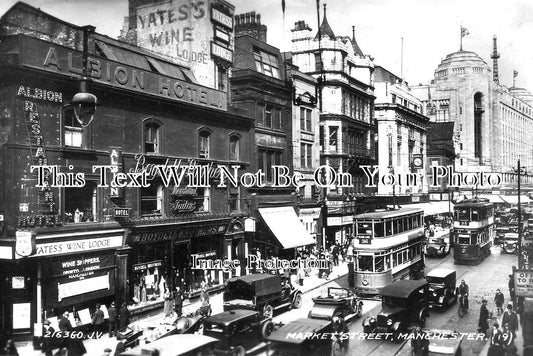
183,254
71,271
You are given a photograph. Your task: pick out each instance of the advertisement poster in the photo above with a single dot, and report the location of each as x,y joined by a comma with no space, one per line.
313,177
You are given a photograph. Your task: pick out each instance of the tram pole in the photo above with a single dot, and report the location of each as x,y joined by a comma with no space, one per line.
519,220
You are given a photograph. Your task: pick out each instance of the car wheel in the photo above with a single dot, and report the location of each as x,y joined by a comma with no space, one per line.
268,311
297,302
267,329
239,351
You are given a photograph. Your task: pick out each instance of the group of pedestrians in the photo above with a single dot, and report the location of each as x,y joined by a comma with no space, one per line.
502,341
173,302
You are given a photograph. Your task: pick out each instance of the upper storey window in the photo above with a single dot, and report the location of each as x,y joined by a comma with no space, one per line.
266,63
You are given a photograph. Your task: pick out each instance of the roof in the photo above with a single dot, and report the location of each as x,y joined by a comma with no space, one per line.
402,288
249,278
172,345
440,272
300,327
325,28
230,316
388,213
473,203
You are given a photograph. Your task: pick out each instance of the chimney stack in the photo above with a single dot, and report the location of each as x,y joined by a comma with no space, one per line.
250,24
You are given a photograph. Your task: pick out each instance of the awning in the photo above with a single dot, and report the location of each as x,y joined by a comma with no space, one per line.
493,198
513,199
286,227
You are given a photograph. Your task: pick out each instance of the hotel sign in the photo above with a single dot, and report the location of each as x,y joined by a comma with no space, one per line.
67,62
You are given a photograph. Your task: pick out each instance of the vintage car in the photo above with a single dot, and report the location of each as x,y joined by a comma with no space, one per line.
176,345
299,338
442,284
340,302
510,243
438,244
261,292
239,331
501,231
404,304
431,343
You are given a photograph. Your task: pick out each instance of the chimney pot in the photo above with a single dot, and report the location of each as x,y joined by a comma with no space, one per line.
252,16
247,17
259,19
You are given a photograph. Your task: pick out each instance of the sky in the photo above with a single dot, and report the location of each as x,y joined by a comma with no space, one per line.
430,28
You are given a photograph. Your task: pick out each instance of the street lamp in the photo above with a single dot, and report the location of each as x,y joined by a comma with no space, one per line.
83,102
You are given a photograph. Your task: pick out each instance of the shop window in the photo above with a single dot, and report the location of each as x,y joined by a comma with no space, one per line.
148,281
151,137
266,63
152,199
203,143
73,129
234,147
81,203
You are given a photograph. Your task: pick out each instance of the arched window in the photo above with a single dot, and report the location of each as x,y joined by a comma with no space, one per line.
152,132
234,147
204,136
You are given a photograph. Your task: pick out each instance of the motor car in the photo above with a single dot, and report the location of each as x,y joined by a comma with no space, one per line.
404,304
442,285
176,345
510,243
438,245
239,331
431,342
302,337
340,302
261,292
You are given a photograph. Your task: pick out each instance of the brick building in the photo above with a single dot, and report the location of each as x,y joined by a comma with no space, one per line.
75,242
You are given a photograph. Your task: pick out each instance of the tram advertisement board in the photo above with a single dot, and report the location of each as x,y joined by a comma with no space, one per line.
523,282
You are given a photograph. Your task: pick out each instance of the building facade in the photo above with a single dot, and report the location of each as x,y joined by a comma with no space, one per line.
347,128
402,133
71,238
493,123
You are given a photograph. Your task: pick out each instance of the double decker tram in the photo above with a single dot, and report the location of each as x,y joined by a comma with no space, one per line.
473,231
388,246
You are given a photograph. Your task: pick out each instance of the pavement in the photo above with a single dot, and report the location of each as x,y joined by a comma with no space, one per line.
519,342
96,347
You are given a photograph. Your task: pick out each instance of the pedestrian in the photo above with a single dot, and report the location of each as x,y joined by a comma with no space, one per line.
9,349
335,252
508,339
48,338
178,301
301,276
496,347
167,303
64,323
124,317
98,319
511,288
498,300
113,320
511,319
483,324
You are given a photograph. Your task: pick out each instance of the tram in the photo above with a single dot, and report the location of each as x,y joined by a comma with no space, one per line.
473,231
388,246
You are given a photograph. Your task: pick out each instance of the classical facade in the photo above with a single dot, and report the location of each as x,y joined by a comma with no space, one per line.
347,129
493,123
402,136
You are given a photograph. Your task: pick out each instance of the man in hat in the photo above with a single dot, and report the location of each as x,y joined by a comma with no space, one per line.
98,319
113,320
498,301
48,338
484,315
510,318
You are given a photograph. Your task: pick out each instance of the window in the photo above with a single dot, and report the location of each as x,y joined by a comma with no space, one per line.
234,201
305,120
268,158
333,134
318,62
270,116
305,155
221,78
266,63
151,137
152,199
203,144
81,203
234,147
73,130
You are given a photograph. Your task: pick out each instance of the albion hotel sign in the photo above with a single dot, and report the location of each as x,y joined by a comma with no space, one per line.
62,60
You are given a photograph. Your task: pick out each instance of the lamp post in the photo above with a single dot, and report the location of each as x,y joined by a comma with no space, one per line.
518,171
85,103
391,168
